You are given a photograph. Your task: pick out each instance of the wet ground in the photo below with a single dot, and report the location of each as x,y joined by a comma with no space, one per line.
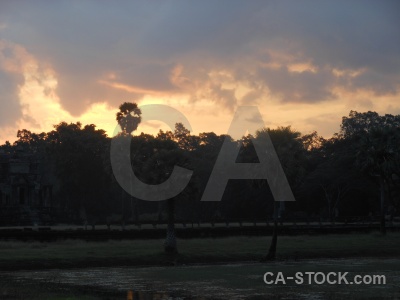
234,281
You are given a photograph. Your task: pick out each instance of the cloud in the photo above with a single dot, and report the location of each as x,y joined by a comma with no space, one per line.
255,119
298,87
12,59
10,109
324,123
378,83
229,53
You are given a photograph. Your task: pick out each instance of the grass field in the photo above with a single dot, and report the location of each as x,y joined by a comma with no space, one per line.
77,253
76,269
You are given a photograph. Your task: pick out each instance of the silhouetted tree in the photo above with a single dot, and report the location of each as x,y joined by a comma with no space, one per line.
375,148
292,156
77,154
129,117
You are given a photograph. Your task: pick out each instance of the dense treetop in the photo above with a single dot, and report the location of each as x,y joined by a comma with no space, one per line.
341,175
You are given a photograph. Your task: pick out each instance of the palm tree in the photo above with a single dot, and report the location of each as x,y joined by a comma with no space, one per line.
128,118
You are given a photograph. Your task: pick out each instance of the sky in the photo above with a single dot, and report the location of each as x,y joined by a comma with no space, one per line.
302,63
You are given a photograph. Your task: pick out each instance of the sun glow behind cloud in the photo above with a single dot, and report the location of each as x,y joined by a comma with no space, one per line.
300,66
41,108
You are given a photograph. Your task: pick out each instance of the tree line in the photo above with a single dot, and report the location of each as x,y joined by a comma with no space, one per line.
355,172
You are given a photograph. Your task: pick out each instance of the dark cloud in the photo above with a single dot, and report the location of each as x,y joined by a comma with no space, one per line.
252,97
303,86
223,96
10,80
148,76
378,83
141,43
10,109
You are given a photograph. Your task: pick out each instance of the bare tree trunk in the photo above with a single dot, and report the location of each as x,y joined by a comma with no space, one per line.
274,242
134,210
170,241
383,222
122,210
271,255
159,212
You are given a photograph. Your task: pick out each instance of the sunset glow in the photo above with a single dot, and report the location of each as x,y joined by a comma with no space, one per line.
305,72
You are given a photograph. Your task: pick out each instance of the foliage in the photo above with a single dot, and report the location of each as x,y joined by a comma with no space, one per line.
329,177
129,117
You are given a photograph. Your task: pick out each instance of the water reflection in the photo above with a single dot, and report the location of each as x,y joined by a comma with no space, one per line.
132,295
233,282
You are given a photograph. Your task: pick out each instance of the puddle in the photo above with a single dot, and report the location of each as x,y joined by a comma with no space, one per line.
234,281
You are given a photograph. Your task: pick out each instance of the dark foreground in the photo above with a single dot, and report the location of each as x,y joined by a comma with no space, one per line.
220,268
18,255
231,281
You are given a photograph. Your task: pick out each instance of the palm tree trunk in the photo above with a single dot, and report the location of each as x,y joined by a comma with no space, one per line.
170,241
